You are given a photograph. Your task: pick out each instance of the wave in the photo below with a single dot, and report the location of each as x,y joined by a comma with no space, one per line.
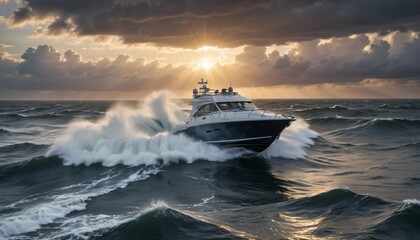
34,109
415,146
24,150
30,117
380,126
399,107
336,107
332,121
376,216
26,167
401,223
4,132
341,110
338,196
12,117
33,212
161,222
25,147
90,226
394,122
342,107
412,181
48,116
141,136
156,221
298,106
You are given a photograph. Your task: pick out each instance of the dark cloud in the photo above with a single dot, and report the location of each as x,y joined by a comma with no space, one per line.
44,68
59,26
339,61
252,56
191,23
22,14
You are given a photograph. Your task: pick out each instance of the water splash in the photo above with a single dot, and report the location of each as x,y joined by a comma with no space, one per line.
141,136
135,136
293,141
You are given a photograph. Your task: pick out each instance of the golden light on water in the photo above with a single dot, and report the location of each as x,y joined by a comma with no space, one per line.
300,227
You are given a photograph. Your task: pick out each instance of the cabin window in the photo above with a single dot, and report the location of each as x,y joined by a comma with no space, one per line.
235,105
245,106
248,106
206,109
224,106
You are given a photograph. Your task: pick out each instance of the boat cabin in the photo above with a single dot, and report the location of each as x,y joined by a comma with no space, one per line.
206,101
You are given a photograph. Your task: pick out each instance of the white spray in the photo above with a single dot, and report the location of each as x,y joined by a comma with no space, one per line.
293,141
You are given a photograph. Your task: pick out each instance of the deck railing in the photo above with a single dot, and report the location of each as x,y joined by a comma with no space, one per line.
246,114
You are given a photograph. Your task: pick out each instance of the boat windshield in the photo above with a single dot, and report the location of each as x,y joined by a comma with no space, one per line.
206,109
245,106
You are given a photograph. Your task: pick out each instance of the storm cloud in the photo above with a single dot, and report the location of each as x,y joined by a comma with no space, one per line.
44,68
192,24
339,61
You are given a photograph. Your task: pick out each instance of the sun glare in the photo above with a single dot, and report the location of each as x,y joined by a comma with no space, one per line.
206,64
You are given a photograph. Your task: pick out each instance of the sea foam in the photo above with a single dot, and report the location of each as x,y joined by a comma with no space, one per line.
293,142
38,211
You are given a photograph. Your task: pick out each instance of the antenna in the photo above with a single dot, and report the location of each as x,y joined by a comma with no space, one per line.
203,89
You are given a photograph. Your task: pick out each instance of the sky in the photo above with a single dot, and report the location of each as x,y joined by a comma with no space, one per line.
126,49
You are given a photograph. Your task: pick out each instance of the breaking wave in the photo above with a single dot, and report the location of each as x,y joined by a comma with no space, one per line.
31,213
156,221
160,221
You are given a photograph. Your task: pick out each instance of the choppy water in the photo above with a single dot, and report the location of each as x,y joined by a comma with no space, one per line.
347,169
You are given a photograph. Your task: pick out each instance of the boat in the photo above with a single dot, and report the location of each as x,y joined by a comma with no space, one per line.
227,119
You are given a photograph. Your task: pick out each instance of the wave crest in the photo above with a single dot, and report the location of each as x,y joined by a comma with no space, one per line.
381,126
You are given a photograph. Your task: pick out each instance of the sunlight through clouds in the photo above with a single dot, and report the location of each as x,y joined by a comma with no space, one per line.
137,46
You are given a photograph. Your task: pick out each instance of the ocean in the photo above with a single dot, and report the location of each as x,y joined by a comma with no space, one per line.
346,169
